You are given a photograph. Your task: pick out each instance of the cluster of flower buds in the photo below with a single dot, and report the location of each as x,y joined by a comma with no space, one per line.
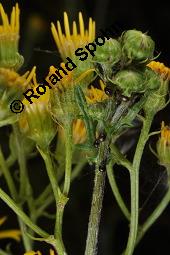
123,62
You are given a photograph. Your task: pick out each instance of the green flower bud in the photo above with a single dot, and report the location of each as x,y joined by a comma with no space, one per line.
97,111
109,53
137,46
136,81
129,81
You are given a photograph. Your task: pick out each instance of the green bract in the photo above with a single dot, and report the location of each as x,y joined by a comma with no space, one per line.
137,46
110,52
153,80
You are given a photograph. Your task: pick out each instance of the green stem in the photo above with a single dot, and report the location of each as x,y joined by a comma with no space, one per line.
27,242
95,214
10,202
154,216
51,173
69,152
21,161
134,180
115,189
8,177
60,200
45,199
25,187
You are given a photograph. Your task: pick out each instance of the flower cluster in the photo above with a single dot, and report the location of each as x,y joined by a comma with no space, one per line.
77,121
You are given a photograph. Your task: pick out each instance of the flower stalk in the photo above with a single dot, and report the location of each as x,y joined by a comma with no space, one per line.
134,180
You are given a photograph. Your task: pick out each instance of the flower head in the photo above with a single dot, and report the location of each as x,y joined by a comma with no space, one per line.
12,86
161,69
14,233
9,37
67,43
163,145
35,121
63,103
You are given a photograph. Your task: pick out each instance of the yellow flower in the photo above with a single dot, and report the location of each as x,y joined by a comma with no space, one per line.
163,145
9,37
161,69
67,43
14,233
38,253
95,95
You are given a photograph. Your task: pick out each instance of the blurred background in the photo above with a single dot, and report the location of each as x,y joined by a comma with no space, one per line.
38,48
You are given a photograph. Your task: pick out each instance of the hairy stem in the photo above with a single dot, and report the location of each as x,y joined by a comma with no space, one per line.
69,152
115,189
11,203
95,214
59,199
154,216
8,176
134,180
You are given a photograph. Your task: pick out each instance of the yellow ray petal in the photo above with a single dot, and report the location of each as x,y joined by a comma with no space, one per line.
55,35
14,234
13,19
81,23
2,220
67,26
3,16
52,252
74,30
90,29
33,253
17,17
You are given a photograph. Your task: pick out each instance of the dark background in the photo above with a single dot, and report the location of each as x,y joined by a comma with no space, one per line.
38,48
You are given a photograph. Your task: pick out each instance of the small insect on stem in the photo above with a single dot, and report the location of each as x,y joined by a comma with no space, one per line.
102,167
104,162
101,138
109,89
